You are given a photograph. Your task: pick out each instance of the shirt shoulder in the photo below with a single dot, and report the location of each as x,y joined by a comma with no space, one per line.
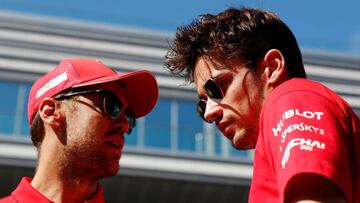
305,127
26,193
299,87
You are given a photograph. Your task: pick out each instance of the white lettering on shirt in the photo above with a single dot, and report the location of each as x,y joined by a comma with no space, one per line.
295,112
301,127
305,145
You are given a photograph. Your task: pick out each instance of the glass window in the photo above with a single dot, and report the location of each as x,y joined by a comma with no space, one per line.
246,154
157,126
224,148
189,127
13,108
25,126
9,91
132,139
136,138
218,142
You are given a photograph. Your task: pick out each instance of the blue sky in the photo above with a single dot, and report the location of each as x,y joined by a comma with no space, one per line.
321,25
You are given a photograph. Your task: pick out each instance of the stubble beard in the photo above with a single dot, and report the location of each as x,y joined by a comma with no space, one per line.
249,135
80,159
247,140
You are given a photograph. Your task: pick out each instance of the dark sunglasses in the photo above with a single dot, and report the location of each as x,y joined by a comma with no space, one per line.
213,91
112,106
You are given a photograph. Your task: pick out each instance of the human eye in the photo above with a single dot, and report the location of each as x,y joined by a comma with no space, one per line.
223,82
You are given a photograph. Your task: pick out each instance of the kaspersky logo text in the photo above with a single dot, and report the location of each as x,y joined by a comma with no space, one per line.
295,112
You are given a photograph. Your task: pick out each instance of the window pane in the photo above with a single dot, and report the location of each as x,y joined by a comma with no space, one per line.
224,148
246,154
218,147
189,127
25,126
8,106
157,126
131,140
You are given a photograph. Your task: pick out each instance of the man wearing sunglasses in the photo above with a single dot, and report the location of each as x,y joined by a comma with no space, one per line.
251,82
79,114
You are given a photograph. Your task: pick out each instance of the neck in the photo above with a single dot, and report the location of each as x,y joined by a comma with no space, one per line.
57,182
60,190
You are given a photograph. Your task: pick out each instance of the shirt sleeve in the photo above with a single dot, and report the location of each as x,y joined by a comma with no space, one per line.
306,133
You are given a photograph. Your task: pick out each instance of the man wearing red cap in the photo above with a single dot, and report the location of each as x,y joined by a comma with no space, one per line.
79,113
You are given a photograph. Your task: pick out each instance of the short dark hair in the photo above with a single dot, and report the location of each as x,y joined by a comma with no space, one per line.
245,34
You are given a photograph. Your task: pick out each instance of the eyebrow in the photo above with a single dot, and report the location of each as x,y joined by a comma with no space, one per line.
219,76
216,77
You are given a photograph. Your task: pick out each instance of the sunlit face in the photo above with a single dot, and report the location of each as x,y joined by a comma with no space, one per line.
237,114
94,141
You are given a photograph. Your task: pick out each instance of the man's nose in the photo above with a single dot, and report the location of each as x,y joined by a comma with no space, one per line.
213,110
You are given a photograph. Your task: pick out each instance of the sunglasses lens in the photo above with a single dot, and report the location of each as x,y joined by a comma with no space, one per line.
200,108
213,90
112,105
131,120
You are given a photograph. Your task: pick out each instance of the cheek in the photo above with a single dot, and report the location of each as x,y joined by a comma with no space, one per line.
254,108
89,116
86,136
238,100
95,125
87,122
245,102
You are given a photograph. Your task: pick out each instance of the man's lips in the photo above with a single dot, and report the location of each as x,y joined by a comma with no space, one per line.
115,146
116,141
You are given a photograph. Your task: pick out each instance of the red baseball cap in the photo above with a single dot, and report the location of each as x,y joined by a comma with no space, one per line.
139,86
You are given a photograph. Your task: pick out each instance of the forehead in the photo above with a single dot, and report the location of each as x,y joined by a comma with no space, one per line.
204,69
207,67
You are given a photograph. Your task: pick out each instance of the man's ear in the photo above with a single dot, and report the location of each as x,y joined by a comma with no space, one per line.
275,70
50,113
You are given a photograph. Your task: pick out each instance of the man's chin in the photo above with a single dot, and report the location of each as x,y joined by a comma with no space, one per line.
242,142
110,171
242,146
108,174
